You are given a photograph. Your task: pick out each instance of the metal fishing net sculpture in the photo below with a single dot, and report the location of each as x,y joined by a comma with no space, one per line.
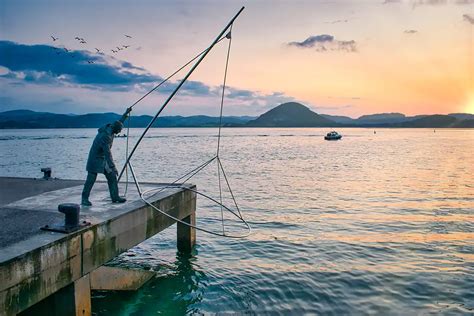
179,183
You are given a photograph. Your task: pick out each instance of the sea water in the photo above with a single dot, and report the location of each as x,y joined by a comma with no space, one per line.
371,224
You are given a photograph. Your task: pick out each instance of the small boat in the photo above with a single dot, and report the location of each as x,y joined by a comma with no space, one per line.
333,136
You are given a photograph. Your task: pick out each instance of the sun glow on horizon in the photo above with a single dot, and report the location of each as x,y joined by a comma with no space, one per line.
470,104
340,57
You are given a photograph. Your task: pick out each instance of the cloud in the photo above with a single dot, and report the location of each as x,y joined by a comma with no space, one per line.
468,18
196,88
240,93
420,3
416,3
256,103
440,2
346,98
325,42
44,78
126,64
48,64
337,21
333,108
410,31
428,2
51,99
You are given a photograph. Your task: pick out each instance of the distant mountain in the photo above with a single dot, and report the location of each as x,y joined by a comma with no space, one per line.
462,116
200,121
294,114
431,121
412,118
464,124
338,118
382,118
291,114
21,113
31,119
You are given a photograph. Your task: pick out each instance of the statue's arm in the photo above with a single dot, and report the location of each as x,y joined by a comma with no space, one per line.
125,115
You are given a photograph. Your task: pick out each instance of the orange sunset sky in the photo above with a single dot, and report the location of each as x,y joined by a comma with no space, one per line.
337,57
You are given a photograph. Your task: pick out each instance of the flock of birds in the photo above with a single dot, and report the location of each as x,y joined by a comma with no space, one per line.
81,40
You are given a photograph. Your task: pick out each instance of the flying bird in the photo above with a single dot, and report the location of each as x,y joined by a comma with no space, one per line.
67,50
119,48
54,38
99,51
126,46
128,36
113,51
78,38
82,41
90,61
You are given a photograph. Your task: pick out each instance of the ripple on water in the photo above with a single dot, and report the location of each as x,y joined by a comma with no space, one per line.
369,225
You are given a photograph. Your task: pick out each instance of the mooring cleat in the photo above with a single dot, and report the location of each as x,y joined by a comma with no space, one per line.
119,200
86,203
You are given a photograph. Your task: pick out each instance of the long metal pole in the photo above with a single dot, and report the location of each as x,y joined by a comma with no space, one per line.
176,90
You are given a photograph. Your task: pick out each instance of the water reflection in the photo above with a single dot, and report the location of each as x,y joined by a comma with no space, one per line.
173,291
370,225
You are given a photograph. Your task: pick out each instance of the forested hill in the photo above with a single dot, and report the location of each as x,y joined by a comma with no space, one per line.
291,114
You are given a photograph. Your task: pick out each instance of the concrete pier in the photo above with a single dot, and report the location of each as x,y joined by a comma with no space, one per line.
44,272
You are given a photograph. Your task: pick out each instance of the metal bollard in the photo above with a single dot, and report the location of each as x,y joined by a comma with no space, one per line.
71,220
46,173
71,211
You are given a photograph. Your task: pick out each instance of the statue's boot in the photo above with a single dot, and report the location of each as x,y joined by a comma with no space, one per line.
86,191
113,188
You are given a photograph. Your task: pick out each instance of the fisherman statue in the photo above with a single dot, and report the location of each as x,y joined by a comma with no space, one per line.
100,161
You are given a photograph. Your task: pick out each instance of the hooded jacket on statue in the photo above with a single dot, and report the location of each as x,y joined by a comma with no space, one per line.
100,158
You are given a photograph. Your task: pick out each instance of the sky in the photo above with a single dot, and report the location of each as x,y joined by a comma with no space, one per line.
336,57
